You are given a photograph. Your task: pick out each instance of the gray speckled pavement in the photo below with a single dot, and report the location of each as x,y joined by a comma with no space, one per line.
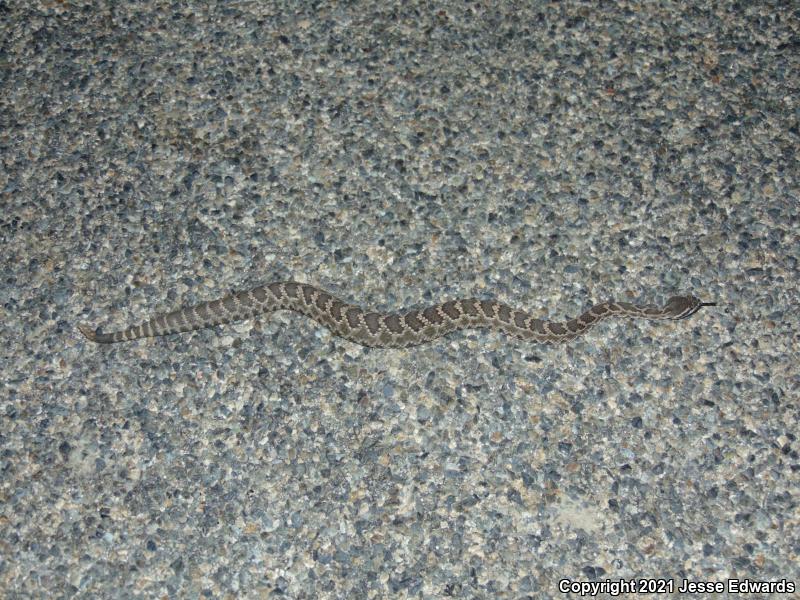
550,155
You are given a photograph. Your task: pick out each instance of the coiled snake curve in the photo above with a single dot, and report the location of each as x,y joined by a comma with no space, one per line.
390,330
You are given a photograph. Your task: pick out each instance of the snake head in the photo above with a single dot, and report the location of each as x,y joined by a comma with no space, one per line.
683,307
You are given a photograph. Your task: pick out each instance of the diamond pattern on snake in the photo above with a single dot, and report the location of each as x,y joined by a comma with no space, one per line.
390,330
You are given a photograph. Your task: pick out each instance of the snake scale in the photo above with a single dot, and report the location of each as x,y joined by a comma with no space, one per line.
395,330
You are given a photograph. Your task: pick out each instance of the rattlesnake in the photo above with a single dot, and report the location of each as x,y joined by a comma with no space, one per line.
396,330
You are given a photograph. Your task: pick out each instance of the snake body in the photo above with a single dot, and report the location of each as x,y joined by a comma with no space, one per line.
389,330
